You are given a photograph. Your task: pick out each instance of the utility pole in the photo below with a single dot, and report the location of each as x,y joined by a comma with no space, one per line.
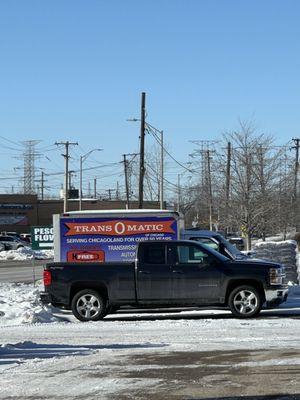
178,192
296,206
125,161
42,185
206,184
206,156
82,159
228,167
109,193
248,212
95,188
209,189
66,156
126,165
70,179
117,191
296,147
161,197
142,152
263,188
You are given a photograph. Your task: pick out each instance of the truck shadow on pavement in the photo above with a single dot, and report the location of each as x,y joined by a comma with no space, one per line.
20,352
197,314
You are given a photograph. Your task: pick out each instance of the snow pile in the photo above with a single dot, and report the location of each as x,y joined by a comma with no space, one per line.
26,253
43,254
284,252
19,304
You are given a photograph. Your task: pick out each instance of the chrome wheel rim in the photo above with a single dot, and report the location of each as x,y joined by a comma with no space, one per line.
88,306
245,302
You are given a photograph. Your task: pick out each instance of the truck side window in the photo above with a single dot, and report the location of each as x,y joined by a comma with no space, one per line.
192,255
154,254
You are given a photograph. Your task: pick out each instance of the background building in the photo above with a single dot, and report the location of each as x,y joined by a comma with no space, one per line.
19,212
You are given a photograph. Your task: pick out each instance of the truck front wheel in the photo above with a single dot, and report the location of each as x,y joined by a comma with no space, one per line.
245,302
88,305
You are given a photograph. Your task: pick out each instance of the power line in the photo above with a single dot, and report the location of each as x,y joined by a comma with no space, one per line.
167,152
12,142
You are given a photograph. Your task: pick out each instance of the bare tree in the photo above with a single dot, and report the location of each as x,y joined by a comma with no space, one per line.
254,181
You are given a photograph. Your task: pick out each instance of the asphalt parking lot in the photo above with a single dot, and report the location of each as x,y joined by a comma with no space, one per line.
216,375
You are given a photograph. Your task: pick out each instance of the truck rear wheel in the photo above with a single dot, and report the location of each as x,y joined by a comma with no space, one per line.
88,305
245,302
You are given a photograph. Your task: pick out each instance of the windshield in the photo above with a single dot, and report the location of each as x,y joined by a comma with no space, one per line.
231,248
218,255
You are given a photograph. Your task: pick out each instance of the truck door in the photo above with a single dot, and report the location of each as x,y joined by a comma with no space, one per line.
153,274
197,274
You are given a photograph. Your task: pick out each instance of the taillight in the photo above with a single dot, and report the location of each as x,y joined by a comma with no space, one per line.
47,278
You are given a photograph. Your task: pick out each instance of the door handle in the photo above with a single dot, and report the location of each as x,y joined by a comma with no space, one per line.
145,272
176,271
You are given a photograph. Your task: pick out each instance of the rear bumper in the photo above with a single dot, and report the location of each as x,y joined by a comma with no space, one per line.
45,298
274,297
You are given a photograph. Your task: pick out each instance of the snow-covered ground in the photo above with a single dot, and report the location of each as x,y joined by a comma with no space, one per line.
25,253
47,354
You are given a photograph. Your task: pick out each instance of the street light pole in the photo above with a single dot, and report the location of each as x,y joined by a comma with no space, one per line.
82,159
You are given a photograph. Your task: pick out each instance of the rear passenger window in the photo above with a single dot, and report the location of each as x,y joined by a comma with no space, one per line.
154,254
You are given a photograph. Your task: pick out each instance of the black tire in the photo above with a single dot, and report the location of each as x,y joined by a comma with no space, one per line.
88,305
245,302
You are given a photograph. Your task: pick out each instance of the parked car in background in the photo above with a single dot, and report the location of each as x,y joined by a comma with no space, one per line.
26,237
216,241
14,234
11,242
238,242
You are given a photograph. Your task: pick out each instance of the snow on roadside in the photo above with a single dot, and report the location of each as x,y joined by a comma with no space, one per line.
19,304
25,253
275,243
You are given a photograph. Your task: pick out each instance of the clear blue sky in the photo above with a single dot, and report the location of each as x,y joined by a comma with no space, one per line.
74,70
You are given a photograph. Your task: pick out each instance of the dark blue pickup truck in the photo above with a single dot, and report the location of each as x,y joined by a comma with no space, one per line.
165,274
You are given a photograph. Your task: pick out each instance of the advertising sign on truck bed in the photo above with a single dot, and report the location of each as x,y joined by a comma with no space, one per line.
110,236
